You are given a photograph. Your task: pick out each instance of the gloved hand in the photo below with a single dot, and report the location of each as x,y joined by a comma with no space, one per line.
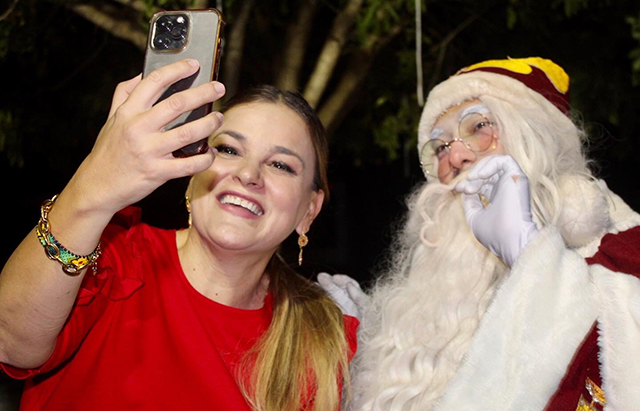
345,292
505,225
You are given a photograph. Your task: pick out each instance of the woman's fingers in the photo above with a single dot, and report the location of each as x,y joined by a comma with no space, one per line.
172,140
171,108
132,155
188,166
123,90
151,87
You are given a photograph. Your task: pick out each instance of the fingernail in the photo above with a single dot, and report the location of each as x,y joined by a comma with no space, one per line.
219,87
193,62
220,116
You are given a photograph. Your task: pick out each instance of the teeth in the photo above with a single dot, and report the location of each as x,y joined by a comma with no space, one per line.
241,202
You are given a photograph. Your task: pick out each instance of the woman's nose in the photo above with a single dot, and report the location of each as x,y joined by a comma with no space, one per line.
460,156
249,174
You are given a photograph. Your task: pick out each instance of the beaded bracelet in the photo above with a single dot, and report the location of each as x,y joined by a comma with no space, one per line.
72,263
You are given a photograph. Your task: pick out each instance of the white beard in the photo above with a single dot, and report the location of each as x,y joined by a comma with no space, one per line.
425,308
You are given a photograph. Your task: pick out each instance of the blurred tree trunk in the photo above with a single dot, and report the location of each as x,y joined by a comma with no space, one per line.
114,21
295,46
233,47
328,58
200,4
332,111
119,18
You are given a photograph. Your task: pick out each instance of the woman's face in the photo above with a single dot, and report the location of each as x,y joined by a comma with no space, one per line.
260,186
458,122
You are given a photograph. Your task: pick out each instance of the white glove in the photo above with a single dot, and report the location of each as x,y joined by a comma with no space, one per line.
345,292
505,225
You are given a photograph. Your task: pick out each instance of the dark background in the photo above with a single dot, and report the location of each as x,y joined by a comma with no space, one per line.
60,70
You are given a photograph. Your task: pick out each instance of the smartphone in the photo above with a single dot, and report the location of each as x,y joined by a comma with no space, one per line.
177,35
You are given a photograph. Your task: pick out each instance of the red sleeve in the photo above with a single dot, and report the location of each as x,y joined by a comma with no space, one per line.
351,325
620,252
114,281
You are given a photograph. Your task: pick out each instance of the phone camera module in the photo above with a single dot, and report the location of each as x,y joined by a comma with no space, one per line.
170,32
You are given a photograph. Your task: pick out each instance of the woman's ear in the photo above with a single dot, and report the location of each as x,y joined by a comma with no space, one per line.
315,205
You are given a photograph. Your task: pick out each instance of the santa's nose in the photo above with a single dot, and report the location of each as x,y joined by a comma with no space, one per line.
460,156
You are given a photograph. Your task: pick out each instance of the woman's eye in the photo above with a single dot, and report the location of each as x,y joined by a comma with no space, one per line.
225,149
282,166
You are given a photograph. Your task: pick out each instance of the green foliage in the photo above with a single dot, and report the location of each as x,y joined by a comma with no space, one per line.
585,37
403,123
571,7
634,54
379,17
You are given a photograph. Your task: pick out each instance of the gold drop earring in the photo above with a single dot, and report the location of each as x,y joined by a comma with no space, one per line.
302,241
187,202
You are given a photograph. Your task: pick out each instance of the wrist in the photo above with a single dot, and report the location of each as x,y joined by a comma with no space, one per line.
72,263
76,224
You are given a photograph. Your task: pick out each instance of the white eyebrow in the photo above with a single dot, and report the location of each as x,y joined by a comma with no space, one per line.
476,109
436,133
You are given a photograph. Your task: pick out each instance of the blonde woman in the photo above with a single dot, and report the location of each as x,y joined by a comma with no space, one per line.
208,317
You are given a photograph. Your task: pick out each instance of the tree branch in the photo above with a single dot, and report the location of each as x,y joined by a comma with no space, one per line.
10,9
232,57
200,4
108,19
138,5
333,110
331,52
296,44
442,47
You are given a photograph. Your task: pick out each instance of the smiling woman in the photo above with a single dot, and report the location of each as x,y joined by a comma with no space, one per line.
206,317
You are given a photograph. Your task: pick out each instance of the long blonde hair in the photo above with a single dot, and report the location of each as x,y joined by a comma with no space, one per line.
303,355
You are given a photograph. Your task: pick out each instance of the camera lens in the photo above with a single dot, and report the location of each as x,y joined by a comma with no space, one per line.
161,41
178,32
165,23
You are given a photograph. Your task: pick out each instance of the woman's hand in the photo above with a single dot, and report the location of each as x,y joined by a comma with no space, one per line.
132,155
504,225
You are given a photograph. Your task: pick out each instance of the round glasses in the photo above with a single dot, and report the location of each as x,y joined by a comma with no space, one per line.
475,131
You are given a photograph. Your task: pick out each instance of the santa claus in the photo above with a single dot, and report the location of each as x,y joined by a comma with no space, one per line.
514,281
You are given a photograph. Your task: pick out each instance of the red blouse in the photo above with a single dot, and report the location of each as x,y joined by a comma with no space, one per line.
141,337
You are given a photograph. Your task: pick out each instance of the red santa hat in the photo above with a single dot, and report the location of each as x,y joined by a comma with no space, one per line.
532,80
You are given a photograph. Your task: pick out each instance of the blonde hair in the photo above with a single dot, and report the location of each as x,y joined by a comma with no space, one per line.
303,356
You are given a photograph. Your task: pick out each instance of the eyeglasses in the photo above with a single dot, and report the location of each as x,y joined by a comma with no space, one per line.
475,131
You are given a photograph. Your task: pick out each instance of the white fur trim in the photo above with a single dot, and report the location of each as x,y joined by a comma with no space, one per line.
529,334
621,217
585,212
467,86
619,341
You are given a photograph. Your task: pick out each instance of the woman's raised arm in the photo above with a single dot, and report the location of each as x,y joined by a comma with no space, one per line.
130,159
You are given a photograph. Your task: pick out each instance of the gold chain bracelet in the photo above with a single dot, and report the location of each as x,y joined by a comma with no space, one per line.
72,263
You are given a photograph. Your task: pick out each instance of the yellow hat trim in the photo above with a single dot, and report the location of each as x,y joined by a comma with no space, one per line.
555,73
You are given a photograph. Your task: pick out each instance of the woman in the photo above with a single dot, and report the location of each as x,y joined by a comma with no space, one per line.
206,317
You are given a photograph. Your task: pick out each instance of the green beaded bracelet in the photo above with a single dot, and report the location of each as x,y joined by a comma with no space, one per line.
72,263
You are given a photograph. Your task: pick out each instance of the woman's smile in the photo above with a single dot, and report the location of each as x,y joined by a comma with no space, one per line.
238,204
